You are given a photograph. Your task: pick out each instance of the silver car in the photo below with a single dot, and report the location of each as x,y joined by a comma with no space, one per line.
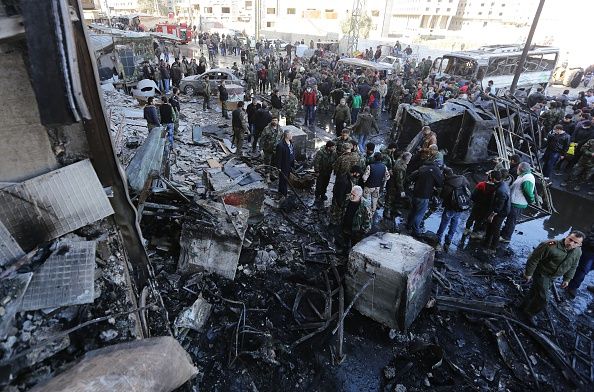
192,85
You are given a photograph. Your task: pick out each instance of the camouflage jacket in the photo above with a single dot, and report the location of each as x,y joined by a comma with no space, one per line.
551,118
587,152
291,106
270,137
399,175
324,161
341,144
362,217
345,162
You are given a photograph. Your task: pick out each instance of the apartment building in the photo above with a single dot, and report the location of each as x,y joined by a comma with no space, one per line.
122,7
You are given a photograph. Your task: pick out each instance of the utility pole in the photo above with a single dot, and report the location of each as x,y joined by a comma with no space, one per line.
353,33
520,66
258,18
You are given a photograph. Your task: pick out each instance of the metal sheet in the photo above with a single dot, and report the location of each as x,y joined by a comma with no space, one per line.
66,278
53,204
148,158
9,249
12,288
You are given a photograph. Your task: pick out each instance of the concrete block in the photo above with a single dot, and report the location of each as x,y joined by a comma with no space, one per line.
210,240
299,138
402,267
245,191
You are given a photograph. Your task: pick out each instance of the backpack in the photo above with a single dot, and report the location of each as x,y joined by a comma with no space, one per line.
460,198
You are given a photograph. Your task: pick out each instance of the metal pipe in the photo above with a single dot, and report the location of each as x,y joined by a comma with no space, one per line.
520,66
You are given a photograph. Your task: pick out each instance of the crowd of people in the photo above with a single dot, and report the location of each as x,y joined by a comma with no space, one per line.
367,176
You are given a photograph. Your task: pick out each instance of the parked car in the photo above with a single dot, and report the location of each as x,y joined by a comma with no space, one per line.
193,85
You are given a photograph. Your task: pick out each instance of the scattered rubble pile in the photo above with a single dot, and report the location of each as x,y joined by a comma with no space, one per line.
260,300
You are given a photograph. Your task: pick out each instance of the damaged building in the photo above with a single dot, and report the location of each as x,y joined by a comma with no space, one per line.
127,265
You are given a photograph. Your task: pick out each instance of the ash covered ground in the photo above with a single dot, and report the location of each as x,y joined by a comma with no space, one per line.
255,340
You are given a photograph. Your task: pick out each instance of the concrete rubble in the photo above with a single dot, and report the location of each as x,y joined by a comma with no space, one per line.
399,269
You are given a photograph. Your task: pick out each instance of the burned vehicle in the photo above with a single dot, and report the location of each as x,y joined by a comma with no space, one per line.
474,134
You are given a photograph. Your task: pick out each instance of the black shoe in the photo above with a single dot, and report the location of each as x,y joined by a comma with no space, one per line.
571,293
324,197
590,288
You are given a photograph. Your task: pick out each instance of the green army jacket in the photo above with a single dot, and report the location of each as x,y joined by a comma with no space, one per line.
550,258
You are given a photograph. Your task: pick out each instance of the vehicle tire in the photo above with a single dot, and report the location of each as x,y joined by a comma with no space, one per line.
189,90
577,78
570,75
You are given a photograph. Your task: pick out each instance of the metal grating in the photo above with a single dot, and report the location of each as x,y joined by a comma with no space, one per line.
53,204
9,249
66,278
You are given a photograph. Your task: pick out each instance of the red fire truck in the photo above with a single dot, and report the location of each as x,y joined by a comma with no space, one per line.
180,30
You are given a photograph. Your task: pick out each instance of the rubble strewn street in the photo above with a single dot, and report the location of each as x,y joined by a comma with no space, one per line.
286,218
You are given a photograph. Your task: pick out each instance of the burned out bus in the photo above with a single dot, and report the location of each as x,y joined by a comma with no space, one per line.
498,63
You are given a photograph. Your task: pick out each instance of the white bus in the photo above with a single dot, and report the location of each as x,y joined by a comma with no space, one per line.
498,63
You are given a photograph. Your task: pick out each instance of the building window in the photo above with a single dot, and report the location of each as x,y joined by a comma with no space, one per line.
269,24
485,24
501,14
480,13
427,9
291,11
225,10
503,5
249,4
448,10
208,10
271,11
331,14
375,13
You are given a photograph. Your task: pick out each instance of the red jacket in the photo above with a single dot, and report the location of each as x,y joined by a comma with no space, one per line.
310,98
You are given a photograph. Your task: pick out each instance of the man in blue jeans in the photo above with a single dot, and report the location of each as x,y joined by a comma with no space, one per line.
557,145
453,186
586,264
426,179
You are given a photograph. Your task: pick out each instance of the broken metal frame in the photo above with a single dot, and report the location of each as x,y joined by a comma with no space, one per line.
521,133
583,356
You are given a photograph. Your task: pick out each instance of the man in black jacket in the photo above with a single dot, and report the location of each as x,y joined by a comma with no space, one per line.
427,178
251,113
276,103
498,210
223,96
167,119
285,156
453,186
261,119
586,264
557,145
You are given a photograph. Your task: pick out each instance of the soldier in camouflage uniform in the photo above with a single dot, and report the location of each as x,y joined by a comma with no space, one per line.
396,98
250,77
347,160
396,185
323,166
296,86
343,141
269,138
290,108
584,168
552,117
